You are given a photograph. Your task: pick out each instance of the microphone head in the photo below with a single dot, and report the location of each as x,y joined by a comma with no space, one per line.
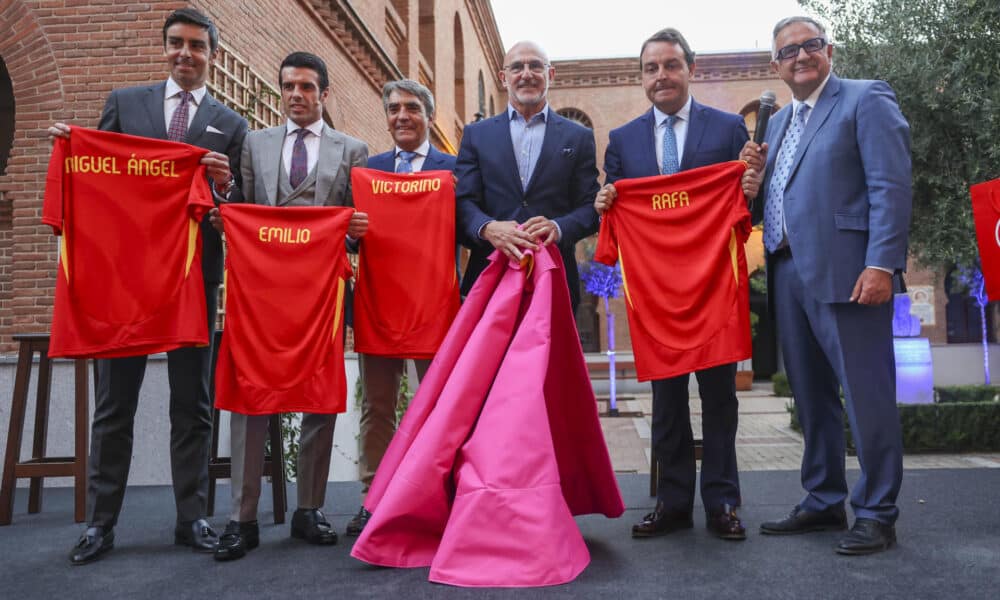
767,98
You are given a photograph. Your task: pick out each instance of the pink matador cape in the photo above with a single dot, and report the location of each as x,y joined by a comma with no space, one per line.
500,447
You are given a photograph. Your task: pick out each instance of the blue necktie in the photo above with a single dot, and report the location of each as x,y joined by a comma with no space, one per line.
405,166
773,208
670,164
300,160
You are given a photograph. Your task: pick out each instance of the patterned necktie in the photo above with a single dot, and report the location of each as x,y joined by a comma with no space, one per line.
670,164
773,208
405,166
300,160
179,121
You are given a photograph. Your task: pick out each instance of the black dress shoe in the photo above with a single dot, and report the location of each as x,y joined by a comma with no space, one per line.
310,524
356,525
661,522
237,540
804,521
94,542
868,536
199,535
724,524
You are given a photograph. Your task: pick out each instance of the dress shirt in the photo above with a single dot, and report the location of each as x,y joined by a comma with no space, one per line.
417,162
680,130
311,142
527,137
171,100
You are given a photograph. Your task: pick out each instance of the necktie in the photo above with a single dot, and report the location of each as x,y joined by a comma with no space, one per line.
300,160
670,163
179,121
773,208
405,166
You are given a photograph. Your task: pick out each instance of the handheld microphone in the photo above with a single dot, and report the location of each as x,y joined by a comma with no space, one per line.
763,114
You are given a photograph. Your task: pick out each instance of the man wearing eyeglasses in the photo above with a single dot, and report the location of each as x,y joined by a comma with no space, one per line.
678,134
526,176
836,209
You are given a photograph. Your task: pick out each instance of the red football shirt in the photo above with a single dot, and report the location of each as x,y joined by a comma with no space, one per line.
986,211
129,278
406,293
283,346
680,239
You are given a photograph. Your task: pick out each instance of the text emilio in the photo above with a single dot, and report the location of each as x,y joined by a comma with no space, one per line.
284,235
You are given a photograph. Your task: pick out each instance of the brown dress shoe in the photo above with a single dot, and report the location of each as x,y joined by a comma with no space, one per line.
724,524
661,522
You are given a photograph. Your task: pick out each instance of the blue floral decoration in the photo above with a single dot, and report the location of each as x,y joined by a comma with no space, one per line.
601,280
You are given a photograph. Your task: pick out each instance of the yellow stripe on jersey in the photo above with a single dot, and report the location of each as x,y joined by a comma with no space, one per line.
621,262
734,256
192,244
340,308
64,254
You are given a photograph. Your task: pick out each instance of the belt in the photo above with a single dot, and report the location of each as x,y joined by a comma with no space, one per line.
783,252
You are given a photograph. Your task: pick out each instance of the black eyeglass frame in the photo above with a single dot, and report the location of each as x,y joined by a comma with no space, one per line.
811,46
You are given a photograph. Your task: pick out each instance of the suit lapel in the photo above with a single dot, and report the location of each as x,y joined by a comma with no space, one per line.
647,139
501,123
331,154
433,162
202,117
776,134
695,130
550,144
155,96
271,162
827,100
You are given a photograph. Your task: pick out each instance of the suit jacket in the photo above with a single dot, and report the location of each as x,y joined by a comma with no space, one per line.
713,136
435,161
338,153
139,111
562,187
848,198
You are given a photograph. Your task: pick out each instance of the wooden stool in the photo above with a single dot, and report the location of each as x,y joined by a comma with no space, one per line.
654,465
40,465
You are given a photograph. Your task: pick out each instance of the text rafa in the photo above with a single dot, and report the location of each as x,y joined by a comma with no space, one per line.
108,165
670,200
284,235
409,186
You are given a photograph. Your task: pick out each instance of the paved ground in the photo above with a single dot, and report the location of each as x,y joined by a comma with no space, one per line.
764,442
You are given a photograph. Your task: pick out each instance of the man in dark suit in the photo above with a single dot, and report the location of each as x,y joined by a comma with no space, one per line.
677,134
526,175
837,202
409,111
181,109
304,162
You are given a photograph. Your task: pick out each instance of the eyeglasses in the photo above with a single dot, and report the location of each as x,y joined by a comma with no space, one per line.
535,66
792,50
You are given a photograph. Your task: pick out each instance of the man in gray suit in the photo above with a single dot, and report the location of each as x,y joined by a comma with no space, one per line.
301,163
180,109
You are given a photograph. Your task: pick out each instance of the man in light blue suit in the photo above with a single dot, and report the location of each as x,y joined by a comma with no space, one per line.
527,166
678,134
836,203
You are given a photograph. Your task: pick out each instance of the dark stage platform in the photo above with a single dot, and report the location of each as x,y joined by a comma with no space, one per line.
949,547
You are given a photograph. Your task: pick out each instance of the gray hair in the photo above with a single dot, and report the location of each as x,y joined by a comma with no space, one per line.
410,87
797,19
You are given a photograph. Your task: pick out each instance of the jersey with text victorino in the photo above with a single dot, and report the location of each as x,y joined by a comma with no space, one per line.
129,278
680,239
986,211
283,346
406,294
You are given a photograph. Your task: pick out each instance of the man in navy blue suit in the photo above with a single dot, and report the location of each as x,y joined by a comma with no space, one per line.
837,201
527,175
409,110
677,134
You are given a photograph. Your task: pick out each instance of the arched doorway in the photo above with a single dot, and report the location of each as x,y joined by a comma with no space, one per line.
6,116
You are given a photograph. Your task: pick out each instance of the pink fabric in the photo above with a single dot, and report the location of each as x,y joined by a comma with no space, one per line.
500,447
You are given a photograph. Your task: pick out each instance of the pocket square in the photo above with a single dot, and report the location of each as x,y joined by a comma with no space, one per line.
211,129
567,151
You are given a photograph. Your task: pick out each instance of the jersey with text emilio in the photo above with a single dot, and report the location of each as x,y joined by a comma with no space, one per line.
679,239
286,274
127,211
406,294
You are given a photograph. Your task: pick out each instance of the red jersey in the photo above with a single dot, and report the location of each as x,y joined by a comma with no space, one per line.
406,293
680,239
283,346
129,278
986,211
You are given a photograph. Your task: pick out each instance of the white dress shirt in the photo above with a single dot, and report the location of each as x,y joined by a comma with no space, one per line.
417,162
311,140
172,99
680,131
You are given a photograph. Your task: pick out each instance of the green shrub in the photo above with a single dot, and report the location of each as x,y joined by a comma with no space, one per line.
781,387
966,393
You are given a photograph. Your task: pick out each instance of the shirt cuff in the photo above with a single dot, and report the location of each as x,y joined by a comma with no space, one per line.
889,271
479,233
558,231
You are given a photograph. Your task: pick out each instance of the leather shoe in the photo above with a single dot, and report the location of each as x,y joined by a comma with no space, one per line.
724,524
356,525
661,522
310,524
868,536
237,540
804,521
199,535
94,542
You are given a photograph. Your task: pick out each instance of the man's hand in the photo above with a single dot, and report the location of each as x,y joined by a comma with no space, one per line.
217,167
605,198
215,219
542,228
58,130
874,286
755,156
358,226
507,238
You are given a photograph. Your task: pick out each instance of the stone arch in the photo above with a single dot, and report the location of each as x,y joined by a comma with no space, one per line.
459,69
575,114
426,40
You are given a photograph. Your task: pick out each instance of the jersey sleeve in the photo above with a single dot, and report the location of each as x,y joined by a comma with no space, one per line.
607,242
200,195
52,206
